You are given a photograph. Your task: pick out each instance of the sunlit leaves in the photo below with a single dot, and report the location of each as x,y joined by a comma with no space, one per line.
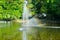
1,10
52,1
30,5
47,1
11,8
43,9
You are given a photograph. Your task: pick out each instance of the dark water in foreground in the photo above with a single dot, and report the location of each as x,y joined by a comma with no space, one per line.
10,31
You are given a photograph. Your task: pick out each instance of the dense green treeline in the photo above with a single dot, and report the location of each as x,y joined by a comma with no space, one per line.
50,7
10,9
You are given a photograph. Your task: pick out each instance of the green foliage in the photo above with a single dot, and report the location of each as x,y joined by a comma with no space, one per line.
50,7
11,9
14,8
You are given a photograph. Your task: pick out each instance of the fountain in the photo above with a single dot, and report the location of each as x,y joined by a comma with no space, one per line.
25,18
27,23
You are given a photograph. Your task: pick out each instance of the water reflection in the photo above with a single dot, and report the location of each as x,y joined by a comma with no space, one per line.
38,33
10,31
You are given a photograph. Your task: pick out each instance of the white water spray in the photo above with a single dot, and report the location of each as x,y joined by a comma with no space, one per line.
26,23
25,17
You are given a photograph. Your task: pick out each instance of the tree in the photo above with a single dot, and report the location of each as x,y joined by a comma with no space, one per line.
11,9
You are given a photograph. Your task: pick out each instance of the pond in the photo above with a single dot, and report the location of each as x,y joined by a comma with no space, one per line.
10,31
37,33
